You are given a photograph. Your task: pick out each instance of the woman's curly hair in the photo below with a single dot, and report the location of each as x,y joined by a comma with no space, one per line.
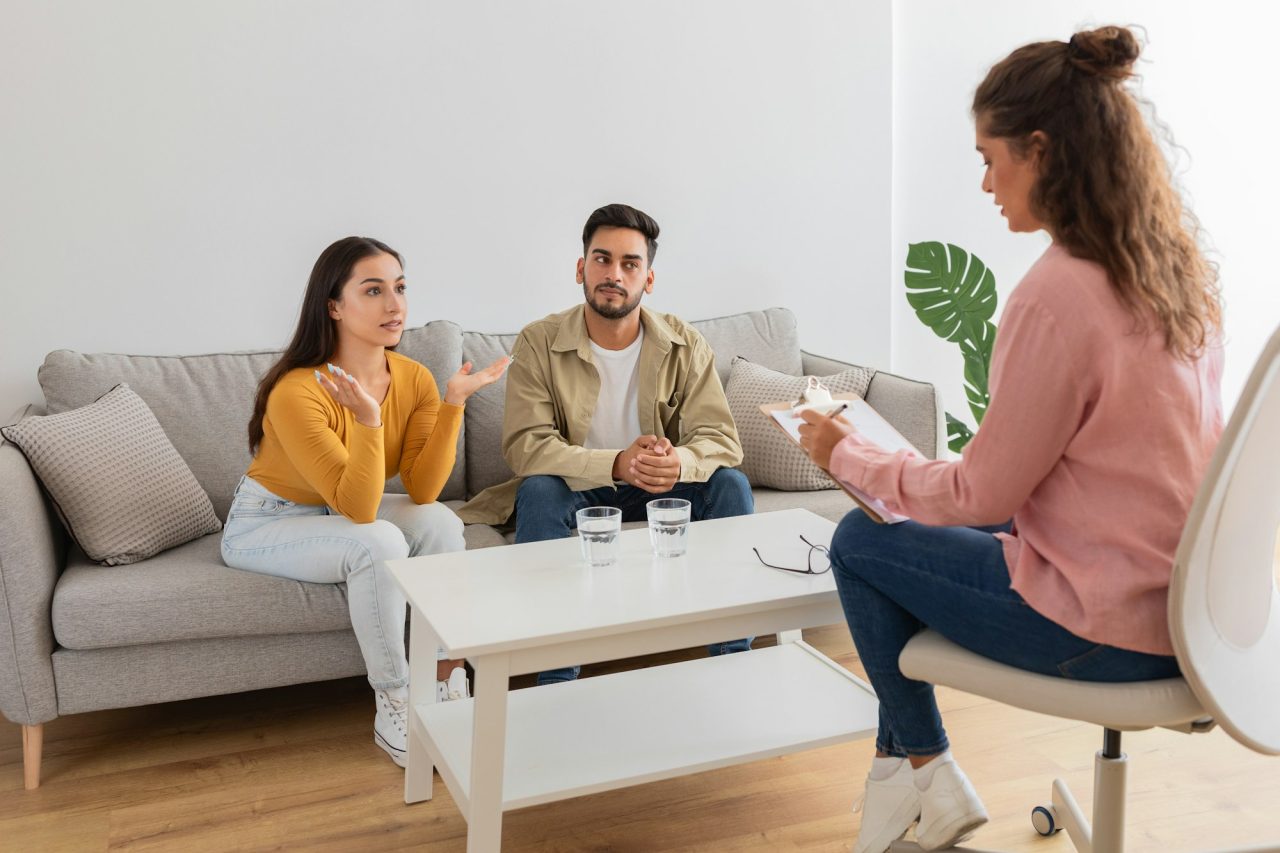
1105,190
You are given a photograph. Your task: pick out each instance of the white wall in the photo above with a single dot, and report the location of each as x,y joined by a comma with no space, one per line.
170,171
1210,72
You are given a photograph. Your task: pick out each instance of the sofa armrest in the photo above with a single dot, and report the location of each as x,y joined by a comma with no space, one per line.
33,550
914,408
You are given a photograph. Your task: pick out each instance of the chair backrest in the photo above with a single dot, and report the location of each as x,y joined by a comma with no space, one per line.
1224,605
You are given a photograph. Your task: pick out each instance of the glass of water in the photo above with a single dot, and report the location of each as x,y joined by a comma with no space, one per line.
668,526
598,529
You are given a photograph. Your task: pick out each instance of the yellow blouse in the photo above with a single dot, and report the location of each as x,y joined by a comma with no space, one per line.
314,451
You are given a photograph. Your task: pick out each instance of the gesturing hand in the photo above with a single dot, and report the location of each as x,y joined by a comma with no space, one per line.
820,434
464,383
347,392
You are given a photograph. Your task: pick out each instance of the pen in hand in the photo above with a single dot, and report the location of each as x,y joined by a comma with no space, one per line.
843,406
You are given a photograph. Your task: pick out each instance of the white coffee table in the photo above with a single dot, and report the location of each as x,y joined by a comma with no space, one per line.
538,606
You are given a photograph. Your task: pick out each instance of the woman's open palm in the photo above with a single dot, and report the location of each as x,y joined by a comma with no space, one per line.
464,383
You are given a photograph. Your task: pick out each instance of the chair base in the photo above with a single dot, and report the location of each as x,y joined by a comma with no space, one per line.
1106,833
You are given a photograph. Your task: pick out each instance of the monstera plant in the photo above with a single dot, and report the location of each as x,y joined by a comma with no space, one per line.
954,294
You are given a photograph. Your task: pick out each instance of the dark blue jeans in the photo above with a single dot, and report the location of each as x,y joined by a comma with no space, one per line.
895,580
545,508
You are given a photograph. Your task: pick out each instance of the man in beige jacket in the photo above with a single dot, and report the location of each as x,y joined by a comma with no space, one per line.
611,404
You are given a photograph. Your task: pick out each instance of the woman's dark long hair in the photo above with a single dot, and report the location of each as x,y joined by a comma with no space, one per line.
316,336
1105,189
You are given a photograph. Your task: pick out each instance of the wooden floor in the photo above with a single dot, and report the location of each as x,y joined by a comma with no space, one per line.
295,768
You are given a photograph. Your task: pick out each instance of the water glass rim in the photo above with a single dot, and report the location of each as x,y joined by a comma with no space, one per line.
598,512
668,503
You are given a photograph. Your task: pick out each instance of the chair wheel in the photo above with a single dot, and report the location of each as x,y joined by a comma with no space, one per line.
1045,821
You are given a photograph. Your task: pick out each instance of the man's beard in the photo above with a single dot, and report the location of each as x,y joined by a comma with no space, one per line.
611,312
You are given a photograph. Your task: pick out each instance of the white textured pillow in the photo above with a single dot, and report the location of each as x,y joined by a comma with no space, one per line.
122,490
769,458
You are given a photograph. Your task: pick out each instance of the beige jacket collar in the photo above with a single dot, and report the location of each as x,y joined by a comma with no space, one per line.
573,337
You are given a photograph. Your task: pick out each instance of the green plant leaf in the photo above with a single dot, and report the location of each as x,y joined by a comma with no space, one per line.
951,291
958,433
977,362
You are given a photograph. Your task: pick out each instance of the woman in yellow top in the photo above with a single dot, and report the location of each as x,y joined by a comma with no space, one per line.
337,416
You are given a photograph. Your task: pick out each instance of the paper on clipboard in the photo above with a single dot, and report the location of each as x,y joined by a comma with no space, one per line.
871,425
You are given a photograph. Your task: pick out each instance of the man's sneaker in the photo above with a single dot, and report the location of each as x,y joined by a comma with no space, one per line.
949,808
455,687
390,726
889,807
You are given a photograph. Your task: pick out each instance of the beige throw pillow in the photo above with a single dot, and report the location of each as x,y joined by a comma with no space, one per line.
769,458
122,490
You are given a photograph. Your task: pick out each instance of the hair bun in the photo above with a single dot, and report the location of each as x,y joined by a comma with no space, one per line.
1107,52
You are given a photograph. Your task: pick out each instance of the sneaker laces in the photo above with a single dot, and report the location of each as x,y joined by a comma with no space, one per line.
397,709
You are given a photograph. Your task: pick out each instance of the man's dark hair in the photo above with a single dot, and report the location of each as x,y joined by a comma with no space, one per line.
621,216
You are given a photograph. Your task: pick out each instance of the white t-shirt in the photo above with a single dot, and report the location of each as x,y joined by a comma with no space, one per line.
616,422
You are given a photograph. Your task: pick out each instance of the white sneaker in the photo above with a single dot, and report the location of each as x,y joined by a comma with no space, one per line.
889,807
949,808
455,687
391,725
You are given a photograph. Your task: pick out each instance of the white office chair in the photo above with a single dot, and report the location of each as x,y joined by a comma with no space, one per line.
1224,616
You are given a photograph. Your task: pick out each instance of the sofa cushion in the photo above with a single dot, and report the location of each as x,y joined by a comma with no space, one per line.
770,458
828,503
203,402
485,465
438,346
130,676
185,594
122,490
769,338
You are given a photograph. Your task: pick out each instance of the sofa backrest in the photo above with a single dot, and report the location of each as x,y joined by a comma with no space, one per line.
204,402
768,337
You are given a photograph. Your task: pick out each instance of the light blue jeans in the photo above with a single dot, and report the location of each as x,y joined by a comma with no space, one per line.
267,534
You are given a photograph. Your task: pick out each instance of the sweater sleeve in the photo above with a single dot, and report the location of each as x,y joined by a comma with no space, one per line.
1037,405
349,479
430,442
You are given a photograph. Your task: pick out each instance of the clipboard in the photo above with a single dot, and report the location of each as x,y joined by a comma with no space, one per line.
870,423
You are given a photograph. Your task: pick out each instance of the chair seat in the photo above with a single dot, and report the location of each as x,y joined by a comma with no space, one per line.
1122,706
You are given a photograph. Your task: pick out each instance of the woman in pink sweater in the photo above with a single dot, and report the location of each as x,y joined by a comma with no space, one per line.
1104,412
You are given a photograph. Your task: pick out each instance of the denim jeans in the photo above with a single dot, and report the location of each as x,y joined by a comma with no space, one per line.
545,507
267,534
895,580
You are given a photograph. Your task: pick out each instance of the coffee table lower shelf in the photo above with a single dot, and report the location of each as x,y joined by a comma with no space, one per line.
627,728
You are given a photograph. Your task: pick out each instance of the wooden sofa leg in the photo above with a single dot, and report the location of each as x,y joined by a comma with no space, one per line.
32,746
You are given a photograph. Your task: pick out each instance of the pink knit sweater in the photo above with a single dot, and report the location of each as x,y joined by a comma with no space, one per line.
1094,443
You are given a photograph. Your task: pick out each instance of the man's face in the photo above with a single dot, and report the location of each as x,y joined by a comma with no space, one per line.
615,274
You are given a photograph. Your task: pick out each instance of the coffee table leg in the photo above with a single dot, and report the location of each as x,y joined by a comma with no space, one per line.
418,771
488,753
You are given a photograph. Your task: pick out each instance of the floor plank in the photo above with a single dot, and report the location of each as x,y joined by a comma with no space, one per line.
295,768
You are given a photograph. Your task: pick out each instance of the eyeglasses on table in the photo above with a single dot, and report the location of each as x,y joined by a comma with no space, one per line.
819,561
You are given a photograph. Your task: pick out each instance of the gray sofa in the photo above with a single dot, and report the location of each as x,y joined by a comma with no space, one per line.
76,636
